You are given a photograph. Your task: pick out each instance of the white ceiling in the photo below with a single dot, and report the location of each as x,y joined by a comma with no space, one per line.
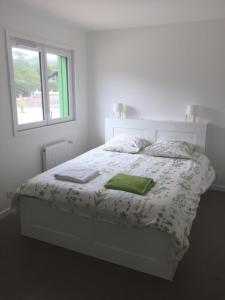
115,14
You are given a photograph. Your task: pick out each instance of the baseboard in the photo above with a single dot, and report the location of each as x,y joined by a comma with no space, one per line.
4,213
218,187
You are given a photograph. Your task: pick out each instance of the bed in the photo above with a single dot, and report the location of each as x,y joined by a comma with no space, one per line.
147,233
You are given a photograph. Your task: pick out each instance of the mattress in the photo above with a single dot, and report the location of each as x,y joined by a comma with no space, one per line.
170,206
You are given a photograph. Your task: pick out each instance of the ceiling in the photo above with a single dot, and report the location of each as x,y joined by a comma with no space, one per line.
115,14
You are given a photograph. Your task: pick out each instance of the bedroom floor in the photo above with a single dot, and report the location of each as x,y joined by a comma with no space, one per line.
33,270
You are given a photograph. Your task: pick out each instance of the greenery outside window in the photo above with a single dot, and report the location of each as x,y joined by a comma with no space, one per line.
41,84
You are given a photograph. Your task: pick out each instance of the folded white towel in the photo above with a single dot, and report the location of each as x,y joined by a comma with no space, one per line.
78,175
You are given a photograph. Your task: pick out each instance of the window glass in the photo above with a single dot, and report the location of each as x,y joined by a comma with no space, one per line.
57,86
28,89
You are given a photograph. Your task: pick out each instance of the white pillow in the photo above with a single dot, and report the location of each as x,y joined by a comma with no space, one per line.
171,149
126,144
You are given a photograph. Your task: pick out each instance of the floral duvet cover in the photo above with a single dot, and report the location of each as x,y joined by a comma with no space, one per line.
170,206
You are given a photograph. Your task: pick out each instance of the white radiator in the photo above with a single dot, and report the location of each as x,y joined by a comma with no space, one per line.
56,153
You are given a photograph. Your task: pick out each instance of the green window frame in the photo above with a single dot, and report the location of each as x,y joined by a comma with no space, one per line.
63,86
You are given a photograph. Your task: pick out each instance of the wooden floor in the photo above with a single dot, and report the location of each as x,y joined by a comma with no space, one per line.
33,270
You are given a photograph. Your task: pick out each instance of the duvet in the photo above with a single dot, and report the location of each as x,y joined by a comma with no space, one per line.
170,206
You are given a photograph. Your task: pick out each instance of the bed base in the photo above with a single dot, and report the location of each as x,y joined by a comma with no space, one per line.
142,249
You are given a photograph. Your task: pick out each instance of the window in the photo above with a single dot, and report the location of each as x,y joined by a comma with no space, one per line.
57,86
41,84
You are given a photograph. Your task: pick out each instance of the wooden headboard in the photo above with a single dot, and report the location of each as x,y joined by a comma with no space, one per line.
158,130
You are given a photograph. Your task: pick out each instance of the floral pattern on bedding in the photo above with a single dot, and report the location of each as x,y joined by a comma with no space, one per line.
173,149
170,206
126,144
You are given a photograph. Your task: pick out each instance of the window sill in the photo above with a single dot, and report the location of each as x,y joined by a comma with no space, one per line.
43,127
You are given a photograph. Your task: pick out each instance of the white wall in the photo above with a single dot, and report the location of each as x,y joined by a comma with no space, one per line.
20,156
157,71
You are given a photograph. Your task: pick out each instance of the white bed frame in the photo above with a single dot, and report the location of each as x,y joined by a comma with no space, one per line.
143,249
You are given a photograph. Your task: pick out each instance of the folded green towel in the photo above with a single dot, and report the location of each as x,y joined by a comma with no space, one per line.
133,184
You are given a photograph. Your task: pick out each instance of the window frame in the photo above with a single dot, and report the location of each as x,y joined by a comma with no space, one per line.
23,42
